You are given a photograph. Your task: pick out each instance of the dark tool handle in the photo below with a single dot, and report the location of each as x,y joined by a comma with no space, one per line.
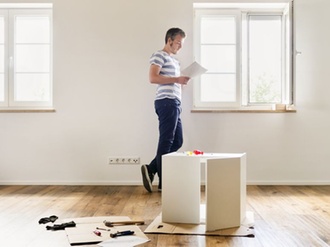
123,233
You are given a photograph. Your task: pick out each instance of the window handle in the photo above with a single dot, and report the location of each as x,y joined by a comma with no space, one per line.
11,62
298,52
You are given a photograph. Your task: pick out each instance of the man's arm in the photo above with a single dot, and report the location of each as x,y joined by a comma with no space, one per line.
156,78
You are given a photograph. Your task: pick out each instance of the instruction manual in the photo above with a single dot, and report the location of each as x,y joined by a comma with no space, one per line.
193,70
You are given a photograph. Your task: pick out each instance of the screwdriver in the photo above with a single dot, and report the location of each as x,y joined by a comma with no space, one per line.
123,233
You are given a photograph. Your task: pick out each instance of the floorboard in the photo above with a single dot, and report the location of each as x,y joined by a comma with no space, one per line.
284,215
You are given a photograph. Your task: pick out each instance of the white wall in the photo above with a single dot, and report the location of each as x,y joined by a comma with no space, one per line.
104,102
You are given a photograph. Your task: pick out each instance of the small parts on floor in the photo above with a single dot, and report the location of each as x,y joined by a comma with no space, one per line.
61,226
55,227
45,220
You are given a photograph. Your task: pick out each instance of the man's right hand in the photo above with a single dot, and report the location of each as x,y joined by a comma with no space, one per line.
183,80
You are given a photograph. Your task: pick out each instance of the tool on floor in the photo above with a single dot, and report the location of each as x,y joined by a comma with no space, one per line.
97,233
123,233
103,229
45,220
61,226
128,222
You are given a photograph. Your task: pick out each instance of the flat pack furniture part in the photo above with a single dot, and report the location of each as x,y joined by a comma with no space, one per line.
225,189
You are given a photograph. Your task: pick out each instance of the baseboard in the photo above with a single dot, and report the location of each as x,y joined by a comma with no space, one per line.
82,183
292,183
139,183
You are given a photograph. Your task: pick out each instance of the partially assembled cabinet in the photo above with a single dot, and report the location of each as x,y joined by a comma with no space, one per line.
225,189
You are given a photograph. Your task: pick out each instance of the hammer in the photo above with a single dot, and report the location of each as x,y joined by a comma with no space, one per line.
128,222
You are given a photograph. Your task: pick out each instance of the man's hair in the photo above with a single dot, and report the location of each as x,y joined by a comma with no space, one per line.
173,32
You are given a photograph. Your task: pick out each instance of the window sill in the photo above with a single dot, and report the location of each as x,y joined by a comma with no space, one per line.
26,110
280,108
240,111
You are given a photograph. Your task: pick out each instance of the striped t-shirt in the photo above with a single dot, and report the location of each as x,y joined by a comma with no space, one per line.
169,66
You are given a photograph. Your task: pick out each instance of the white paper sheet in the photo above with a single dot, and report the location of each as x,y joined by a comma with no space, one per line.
124,241
193,70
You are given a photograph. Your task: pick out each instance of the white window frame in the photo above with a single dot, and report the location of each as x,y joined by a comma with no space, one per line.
243,9
197,91
9,11
4,15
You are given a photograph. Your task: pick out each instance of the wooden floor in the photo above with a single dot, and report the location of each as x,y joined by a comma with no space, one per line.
285,216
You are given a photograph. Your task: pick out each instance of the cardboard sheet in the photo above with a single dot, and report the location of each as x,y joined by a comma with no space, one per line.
245,230
83,233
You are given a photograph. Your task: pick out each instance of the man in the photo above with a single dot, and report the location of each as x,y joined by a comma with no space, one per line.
165,72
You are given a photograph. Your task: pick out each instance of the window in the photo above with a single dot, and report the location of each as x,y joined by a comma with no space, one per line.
25,56
247,49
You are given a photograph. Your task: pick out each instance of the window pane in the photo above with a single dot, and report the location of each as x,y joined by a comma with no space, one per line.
218,88
2,75
265,59
2,30
32,58
32,87
2,58
32,29
2,45
219,58
218,30
2,87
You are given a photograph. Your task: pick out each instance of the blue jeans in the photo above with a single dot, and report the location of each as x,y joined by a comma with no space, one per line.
170,132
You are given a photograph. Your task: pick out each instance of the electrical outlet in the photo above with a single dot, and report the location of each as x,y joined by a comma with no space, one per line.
127,160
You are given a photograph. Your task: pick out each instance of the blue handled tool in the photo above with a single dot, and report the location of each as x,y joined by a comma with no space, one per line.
123,233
